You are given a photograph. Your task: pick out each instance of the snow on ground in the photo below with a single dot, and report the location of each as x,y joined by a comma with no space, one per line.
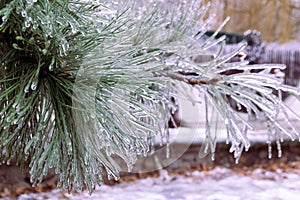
216,184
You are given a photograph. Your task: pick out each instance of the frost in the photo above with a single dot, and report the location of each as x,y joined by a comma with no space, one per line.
106,85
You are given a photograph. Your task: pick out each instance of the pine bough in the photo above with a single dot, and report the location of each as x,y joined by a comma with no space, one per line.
84,80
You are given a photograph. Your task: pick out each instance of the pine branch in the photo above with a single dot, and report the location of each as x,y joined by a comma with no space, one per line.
83,81
191,80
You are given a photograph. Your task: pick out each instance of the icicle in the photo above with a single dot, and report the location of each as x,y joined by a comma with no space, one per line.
26,24
26,89
23,13
129,167
168,150
157,163
8,162
269,150
213,156
8,119
237,160
34,84
239,107
279,148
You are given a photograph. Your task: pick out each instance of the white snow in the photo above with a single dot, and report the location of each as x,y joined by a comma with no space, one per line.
219,183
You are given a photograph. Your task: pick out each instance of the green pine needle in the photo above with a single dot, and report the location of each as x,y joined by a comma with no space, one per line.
84,81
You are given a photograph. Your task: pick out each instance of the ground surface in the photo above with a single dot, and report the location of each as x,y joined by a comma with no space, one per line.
216,184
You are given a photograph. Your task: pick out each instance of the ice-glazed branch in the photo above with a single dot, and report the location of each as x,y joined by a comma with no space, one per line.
183,76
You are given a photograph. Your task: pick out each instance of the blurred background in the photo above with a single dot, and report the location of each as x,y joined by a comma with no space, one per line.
277,20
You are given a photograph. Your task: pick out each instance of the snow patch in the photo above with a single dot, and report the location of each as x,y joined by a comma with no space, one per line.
218,184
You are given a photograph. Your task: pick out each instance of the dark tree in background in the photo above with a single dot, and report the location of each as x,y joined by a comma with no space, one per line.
84,80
